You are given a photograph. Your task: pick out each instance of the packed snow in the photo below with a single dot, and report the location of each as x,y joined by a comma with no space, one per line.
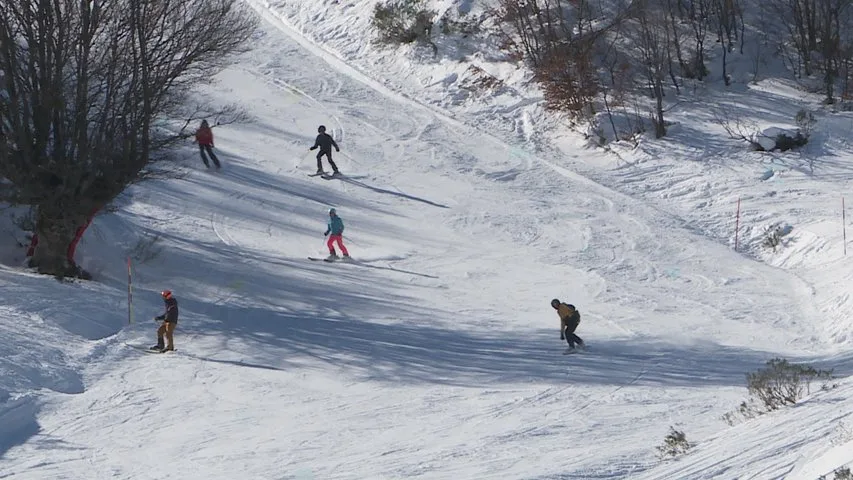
435,353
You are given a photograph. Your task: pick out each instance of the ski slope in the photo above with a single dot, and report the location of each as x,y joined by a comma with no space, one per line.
436,354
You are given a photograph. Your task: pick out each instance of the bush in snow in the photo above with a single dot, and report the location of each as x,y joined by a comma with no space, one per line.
778,139
843,473
843,434
403,21
461,23
746,410
806,121
674,444
774,234
782,383
840,473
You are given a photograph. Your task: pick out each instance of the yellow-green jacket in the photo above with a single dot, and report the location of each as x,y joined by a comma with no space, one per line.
569,318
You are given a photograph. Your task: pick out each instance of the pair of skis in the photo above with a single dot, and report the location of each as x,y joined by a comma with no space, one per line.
331,260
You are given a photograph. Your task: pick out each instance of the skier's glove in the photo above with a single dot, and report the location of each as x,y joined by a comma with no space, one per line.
326,234
337,149
562,337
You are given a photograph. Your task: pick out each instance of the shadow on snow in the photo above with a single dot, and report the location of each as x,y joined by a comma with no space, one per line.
367,324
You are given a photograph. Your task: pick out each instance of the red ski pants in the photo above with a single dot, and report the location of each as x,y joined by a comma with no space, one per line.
340,241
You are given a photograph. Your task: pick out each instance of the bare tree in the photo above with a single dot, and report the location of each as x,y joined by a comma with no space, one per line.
725,20
651,37
90,93
673,22
619,80
800,20
818,32
833,20
698,12
538,26
569,77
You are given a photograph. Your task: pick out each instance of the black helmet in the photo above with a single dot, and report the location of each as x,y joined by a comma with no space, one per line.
321,128
555,303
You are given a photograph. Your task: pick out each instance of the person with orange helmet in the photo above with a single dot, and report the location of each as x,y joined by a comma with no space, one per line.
170,321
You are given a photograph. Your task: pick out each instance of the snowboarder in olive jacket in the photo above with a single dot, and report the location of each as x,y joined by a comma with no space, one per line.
570,318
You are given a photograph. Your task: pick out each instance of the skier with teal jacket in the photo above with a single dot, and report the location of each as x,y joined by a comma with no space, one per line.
336,228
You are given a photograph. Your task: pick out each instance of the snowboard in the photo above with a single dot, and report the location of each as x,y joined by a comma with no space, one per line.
147,349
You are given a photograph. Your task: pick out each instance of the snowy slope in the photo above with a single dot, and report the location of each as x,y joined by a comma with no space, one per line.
696,173
436,354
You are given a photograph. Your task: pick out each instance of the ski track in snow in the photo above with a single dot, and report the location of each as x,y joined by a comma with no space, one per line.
435,355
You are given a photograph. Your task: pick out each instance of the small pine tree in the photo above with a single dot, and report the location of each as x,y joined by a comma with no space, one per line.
674,444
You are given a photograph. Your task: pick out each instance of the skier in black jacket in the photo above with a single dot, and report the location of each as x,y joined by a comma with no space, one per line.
325,142
170,321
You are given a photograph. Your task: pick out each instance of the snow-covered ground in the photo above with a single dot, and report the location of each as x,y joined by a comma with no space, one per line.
436,354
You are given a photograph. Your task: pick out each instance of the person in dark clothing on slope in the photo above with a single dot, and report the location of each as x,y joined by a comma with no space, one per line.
570,318
204,138
325,142
170,321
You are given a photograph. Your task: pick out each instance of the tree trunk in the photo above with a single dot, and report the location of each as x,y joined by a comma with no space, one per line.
660,122
56,227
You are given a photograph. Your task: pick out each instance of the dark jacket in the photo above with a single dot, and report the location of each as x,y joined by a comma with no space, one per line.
325,142
171,314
